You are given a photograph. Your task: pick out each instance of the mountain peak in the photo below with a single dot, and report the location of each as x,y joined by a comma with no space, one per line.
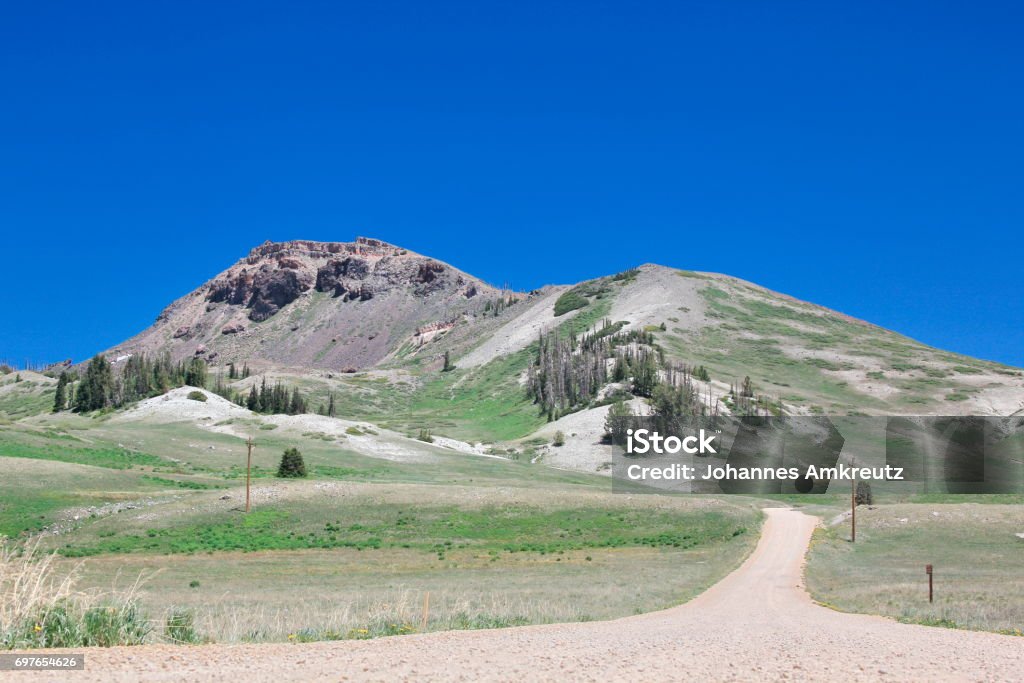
362,246
303,302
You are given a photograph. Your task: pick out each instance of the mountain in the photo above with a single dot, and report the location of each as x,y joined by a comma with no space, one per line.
371,323
336,305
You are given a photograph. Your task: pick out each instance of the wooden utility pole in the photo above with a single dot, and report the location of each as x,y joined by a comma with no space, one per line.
853,511
248,471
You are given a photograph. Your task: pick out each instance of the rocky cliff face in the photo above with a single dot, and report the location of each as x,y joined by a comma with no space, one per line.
331,304
276,274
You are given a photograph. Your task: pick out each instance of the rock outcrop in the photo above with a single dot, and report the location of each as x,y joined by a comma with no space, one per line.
377,296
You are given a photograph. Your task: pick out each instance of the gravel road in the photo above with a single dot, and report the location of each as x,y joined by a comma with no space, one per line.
756,624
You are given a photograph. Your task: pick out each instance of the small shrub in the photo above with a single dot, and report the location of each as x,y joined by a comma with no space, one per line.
570,301
292,465
559,439
197,396
193,583
354,431
863,495
424,435
448,366
179,627
71,624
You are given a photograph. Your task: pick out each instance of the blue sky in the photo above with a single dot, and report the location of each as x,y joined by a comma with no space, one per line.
866,156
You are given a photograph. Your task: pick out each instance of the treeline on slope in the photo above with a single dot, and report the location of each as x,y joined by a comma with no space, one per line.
140,377
569,372
103,387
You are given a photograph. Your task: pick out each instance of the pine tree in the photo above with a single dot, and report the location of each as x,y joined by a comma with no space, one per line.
331,410
617,421
264,404
645,375
253,402
60,401
195,376
448,367
292,465
97,388
297,406
232,372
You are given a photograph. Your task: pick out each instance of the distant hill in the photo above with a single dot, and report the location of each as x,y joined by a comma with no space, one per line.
367,305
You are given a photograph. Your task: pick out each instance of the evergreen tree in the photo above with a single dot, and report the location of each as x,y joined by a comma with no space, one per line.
645,375
253,402
264,405
292,466
195,376
448,367
60,401
617,421
298,406
97,387
331,410
232,372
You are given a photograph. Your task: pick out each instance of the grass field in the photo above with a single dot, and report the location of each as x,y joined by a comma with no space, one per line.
509,558
973,548
350,551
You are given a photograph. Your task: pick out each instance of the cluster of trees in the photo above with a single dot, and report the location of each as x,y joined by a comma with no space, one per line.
140,377
276,399
495,307
743,400
235,373
330,410
569,371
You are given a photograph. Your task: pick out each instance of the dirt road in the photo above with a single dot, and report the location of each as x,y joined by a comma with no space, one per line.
756,624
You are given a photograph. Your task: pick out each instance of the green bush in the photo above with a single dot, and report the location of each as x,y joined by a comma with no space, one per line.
292,465
424,435
179,627
863,495
570,301
559,439
197,396
68,624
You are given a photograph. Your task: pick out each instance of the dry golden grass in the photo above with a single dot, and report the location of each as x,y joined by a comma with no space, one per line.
974,549
29,583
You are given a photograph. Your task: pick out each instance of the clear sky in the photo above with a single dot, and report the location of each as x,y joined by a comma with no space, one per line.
867,156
